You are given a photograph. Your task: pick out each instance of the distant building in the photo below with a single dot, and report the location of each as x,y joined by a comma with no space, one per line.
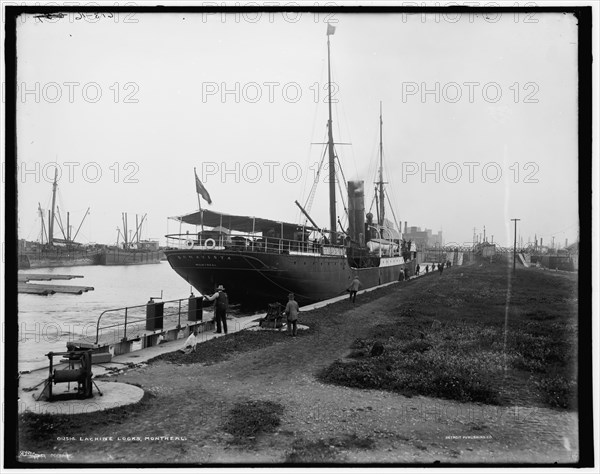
487,250
423,238
435,239
573,248
148,245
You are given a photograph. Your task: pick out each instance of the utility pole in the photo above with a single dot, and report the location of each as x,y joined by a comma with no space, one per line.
515,247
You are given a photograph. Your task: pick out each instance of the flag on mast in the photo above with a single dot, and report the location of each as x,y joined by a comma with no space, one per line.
201,190
330,29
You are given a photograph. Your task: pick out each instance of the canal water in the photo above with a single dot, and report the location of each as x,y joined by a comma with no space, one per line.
47,323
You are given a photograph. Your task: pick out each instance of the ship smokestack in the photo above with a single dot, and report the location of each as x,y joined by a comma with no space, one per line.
406,227
356,210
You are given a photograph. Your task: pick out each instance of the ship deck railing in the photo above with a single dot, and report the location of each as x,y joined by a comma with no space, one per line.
252,243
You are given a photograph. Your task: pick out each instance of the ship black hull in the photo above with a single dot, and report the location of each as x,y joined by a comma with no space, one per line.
254,279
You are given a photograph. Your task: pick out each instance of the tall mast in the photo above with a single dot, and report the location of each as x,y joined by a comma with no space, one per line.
51,223
381,197
43,225
138,228
332,212
124,219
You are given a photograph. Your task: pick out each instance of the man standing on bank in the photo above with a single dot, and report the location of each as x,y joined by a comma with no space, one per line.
354,287
221,306
291,311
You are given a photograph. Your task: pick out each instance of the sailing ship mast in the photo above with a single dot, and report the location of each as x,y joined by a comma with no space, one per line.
380,183
43,233
332,211
51,219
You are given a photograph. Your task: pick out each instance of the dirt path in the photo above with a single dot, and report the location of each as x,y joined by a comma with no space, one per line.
346,425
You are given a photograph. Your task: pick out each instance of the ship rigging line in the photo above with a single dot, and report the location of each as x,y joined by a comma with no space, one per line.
287,290
372,201
312,134
392,209
340,187
313,189
393,195
346,124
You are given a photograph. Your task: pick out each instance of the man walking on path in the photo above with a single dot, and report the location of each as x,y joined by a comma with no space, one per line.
291,311
354,287
220,308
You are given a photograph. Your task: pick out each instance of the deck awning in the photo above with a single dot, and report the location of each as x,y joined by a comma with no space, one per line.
244,224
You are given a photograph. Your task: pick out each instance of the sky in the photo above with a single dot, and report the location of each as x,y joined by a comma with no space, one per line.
479,118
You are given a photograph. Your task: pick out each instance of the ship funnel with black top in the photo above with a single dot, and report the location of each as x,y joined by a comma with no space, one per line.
356,211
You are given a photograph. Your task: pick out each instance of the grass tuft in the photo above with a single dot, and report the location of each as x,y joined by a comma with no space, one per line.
250,419
222,348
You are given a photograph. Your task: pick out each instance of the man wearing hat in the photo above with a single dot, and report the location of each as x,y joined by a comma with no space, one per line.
353,288
221,305
291,311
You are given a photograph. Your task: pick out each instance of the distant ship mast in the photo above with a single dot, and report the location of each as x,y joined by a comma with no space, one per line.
381,183
52,216
128,241
332,210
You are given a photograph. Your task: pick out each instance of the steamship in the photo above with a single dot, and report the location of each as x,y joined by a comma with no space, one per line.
131,251
261,260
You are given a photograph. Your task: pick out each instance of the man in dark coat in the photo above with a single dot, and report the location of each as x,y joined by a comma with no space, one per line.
221,305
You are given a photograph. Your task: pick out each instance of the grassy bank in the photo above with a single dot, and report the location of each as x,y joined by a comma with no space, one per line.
474,333
222,348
